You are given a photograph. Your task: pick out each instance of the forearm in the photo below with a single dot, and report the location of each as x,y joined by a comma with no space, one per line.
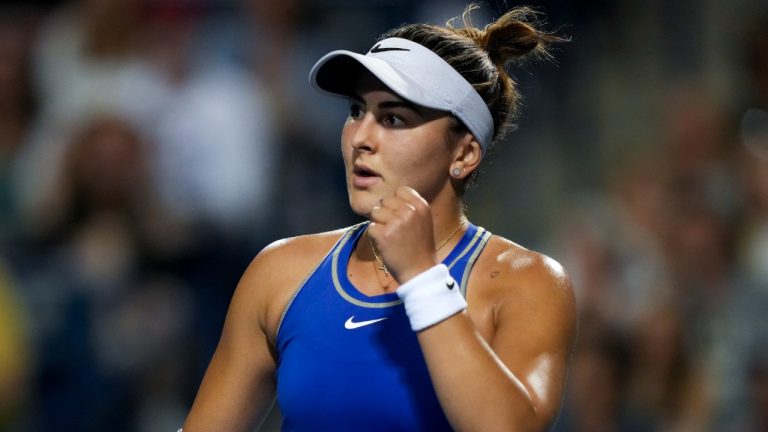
475,389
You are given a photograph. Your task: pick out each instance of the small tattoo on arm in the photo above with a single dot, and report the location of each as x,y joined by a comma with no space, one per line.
494,274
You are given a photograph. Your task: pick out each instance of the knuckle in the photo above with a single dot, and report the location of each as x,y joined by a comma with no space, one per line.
402,191
406,214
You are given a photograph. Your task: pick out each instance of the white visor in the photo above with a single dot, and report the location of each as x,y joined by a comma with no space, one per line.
414,73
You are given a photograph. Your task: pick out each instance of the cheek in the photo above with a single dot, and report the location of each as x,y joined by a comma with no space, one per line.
346,148
433,150
422,161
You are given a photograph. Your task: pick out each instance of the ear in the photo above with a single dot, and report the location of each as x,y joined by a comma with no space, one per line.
466,157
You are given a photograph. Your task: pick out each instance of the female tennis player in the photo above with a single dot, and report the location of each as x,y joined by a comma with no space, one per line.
415,320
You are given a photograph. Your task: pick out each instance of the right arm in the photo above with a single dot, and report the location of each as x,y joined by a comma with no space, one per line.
239,384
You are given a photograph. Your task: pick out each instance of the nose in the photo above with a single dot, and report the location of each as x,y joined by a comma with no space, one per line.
363,134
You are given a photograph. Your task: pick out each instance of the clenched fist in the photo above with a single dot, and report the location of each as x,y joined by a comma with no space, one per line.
401,230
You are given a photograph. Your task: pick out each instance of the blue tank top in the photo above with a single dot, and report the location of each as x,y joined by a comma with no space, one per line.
350,362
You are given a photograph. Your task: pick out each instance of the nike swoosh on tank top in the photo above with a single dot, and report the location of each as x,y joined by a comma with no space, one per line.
365,378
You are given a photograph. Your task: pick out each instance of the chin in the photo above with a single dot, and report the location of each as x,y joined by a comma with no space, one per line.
361,203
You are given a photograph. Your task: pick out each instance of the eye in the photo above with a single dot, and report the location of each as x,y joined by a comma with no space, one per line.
355,110
391,119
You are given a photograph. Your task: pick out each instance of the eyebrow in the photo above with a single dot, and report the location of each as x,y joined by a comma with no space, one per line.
396,103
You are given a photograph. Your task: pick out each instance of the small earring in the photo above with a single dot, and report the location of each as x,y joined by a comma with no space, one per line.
456,172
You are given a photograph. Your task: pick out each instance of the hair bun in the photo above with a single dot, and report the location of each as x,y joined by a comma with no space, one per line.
515,35
508,41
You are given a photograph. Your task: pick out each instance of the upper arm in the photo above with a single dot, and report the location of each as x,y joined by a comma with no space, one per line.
535,329
239,386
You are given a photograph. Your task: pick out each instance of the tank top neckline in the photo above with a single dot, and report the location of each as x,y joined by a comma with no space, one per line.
351,293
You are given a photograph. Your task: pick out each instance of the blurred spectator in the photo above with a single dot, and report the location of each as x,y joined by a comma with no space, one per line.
754,161
281,41
756,61
669,389
17,104
105,314
217,147
613,246
601,368
85,62
210,124
756,415
699,146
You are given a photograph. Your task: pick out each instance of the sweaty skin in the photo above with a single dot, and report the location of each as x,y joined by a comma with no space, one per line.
500,365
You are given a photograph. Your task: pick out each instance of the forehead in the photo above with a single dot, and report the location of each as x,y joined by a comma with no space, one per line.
371,90
366,82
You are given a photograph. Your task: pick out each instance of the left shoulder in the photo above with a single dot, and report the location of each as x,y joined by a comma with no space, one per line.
513,289
506,268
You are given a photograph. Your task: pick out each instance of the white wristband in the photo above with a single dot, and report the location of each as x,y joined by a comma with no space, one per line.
431,297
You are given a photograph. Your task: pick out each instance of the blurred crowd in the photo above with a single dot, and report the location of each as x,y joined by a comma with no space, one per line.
150,148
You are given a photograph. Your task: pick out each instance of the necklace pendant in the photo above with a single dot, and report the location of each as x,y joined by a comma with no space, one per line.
384,269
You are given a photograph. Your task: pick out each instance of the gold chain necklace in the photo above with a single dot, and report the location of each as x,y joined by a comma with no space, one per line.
383,267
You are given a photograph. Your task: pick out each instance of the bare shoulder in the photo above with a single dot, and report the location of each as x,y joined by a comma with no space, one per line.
509,277
279,258
529,268
277,271
513,266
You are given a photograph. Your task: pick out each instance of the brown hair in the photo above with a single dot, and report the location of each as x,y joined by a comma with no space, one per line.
481,56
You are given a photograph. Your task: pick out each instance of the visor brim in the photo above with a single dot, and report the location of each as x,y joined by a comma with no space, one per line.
338,72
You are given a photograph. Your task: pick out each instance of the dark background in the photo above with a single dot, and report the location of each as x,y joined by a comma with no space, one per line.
149,149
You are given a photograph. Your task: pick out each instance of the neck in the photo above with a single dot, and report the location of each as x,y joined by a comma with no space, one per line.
447,216
447,232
